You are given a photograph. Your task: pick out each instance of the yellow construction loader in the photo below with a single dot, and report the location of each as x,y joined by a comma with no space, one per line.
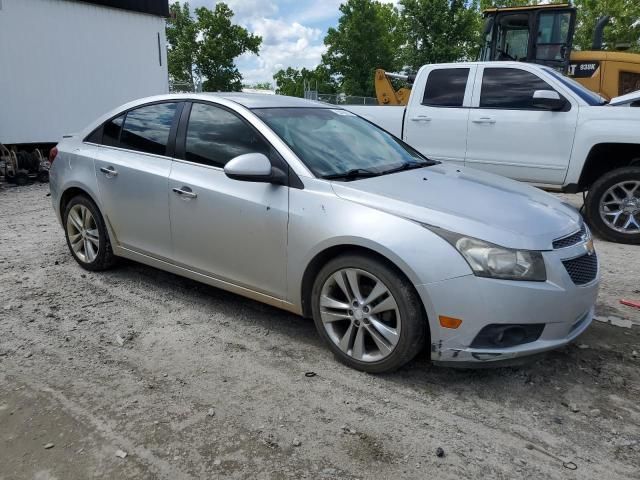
543,34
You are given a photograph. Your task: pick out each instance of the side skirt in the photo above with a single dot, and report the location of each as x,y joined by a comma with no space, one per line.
207,279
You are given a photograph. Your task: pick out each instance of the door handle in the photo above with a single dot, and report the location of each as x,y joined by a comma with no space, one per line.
185,193
109,171
484,120
421,118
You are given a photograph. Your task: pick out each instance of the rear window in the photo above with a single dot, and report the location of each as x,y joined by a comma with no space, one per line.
146,129
446,87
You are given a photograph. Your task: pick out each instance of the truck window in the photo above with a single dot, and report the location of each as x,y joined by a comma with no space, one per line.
510,89
446,87
553,35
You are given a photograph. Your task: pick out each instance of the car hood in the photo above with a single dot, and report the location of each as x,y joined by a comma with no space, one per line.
470,202
625,99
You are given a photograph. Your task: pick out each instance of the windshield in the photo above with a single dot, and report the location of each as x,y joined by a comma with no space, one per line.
335,143
588,96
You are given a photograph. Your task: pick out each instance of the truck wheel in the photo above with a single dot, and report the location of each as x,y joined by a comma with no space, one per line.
21,179
613,205
43,176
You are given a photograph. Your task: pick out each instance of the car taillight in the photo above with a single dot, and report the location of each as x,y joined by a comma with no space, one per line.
53,153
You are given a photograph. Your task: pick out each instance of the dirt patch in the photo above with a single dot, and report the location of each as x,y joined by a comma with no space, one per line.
134,359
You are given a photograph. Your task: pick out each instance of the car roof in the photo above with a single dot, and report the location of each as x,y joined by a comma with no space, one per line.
261,100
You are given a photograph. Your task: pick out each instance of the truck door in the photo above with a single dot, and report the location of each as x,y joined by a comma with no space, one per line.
438,111
510,135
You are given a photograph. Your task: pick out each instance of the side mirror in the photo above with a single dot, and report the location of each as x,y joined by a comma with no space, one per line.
254,167
548,100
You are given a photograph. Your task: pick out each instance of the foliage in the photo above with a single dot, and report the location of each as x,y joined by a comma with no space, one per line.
207,46
181,37
260,86
367,37
623,29
291,81
437,31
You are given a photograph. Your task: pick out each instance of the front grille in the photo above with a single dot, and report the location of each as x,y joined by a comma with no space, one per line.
582,270
571,240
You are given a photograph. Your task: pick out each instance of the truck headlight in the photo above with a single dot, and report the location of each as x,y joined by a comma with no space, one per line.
492,261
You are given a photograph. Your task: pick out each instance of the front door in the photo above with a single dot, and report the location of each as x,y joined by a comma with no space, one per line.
511,137
232,230
436,123
132,169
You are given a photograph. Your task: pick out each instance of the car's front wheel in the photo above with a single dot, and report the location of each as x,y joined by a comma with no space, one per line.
86,235
368,313
613,205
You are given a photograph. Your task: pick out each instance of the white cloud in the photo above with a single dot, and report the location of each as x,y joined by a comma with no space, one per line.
283,45
287,41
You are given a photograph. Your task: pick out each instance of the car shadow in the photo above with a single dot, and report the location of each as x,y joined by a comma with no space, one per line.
420,374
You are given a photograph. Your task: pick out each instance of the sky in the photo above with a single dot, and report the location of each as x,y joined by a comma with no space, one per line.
292,33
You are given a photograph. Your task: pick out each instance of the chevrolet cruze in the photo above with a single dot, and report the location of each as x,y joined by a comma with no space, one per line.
310,208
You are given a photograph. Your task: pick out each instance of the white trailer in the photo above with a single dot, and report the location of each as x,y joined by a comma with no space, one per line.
63,63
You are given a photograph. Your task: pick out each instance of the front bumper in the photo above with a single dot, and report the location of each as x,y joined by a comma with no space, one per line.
565,309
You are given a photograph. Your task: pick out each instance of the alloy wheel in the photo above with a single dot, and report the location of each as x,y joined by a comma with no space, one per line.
360,314
620,207
82,231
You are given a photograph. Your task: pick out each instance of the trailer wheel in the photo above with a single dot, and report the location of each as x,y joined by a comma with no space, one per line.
43,176
21,179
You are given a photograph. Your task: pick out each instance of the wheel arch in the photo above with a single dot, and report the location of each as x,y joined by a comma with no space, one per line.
329,253
606,157
73,191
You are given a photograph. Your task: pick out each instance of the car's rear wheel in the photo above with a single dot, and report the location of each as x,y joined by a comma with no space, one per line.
613,205
368,313
86,235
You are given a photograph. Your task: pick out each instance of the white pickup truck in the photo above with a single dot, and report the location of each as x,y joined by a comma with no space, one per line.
530,123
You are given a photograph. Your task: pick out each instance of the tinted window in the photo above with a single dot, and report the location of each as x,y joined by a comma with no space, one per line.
510,88
111,135
146,129
215,136
446,87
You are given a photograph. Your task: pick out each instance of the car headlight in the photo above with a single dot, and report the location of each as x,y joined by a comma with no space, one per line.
493,261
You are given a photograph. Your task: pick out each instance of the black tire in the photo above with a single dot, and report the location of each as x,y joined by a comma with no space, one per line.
43,176
414,325
104,258
21,179
595,196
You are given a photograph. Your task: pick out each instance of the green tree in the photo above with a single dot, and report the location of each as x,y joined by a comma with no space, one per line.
181,37
367,37
438,31
205,47
291,81
221,42
260,86
623,29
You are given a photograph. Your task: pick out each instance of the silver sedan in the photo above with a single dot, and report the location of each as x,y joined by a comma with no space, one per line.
312,209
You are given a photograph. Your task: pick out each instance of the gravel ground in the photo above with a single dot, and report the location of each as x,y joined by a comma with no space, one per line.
193,382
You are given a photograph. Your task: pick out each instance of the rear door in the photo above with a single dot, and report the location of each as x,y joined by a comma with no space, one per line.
511,137
438,113
132,169
232,230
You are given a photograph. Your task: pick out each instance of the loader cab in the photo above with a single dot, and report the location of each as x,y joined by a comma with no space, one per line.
538,34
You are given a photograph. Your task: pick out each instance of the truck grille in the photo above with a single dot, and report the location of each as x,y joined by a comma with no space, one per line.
570,240
582,270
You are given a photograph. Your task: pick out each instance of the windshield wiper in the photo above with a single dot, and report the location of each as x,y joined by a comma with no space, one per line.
352,174
406,166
